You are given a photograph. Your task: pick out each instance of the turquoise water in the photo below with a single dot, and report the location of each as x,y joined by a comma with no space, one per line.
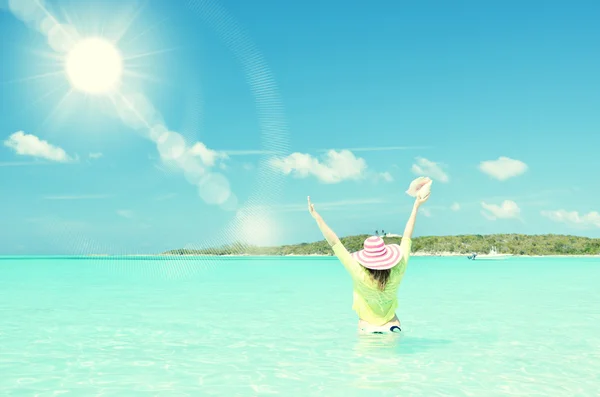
262,326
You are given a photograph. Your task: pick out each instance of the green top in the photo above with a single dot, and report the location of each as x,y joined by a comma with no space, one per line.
373,305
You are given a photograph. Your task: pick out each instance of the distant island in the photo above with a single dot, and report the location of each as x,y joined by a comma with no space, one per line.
515,244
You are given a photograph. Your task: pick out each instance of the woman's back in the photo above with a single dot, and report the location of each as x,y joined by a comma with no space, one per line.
378,269
371,303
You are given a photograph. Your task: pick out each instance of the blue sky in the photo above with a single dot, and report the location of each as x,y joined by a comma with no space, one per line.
269,102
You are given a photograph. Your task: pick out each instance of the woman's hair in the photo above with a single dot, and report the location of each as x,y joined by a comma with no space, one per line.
380,276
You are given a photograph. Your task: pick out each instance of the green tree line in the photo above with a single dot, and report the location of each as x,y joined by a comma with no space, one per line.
516,244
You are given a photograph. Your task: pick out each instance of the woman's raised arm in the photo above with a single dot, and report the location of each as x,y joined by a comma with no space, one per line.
410,225
329,235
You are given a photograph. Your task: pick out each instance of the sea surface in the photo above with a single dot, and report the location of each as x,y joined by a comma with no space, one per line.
284,326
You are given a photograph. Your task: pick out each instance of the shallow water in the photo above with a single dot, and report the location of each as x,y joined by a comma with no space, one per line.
254,326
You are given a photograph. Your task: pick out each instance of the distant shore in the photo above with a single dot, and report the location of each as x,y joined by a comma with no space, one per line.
514,245
415,254
522,245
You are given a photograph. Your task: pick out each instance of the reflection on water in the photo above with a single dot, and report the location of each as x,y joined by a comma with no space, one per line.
244,329
395,344
383,363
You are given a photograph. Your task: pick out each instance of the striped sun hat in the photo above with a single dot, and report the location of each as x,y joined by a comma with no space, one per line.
378,256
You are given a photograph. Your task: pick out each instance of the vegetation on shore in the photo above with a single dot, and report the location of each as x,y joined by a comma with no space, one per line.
516,244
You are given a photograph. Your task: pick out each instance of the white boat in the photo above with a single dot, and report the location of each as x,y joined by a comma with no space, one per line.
491,256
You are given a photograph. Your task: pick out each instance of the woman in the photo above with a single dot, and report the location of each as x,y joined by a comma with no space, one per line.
376,271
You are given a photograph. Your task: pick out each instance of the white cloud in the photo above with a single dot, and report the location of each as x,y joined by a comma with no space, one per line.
508,209
386,176
573,218
334,168
354,150
431,169
208,156
455,207
193,160
137,112
30,145
378,149
426,212
330,205
95,155
79,197
246,152
503,168
125,214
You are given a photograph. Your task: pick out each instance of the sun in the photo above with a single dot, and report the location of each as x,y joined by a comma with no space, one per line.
94,66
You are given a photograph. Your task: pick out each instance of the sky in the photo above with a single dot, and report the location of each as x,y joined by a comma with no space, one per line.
216,119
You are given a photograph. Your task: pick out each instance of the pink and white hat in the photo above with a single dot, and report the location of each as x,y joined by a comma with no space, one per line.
378,256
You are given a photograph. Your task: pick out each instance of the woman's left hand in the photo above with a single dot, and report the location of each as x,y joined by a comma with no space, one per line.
311,209
420,200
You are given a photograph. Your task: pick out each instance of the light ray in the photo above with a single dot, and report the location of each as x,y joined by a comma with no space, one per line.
149,29
127,25
142,76
46,95
44,54
134,110
31,78
151,53
58,105
49,15
67,16
132,67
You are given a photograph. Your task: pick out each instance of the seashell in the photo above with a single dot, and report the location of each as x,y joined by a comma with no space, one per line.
417,185
425,190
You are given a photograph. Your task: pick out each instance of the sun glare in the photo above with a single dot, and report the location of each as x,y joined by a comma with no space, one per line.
94,66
